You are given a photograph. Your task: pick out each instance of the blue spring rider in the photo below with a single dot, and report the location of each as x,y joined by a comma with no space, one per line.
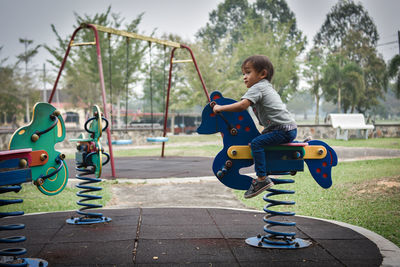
237,130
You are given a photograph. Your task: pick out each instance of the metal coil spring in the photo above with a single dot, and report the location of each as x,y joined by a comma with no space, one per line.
278,237
88,217
8,256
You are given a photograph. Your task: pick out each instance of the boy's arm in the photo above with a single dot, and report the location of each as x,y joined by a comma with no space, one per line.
235,107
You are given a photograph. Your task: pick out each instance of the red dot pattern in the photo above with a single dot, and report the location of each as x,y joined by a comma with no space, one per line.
324,175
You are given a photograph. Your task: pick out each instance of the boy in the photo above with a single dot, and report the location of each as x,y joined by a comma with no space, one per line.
279,126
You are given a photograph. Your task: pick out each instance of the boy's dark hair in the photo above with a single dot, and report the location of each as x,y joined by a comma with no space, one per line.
260,63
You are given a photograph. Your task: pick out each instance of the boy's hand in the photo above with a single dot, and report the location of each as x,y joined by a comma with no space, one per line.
217,108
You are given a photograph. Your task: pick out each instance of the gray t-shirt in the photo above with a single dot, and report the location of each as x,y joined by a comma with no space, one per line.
268,107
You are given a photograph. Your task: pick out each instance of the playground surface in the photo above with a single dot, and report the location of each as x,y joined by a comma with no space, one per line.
188,236
192,219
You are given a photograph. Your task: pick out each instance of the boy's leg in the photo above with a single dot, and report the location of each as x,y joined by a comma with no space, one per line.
263,182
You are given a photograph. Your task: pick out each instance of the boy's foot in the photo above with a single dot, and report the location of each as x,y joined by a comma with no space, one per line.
257,187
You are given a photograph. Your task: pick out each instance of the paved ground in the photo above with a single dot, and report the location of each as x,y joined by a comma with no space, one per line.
187,236
157,167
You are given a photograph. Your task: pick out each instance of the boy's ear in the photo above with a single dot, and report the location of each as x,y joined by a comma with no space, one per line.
264,73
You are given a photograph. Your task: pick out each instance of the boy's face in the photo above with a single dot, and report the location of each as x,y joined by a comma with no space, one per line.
251,76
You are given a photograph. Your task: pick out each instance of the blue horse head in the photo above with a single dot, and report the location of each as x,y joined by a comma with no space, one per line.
237,128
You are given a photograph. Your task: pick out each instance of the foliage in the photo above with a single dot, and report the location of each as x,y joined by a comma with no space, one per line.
356,48
82,77
281,49
157,71
300,103
237,30
312,72
29,53
34,201
350,34
11,104
224,22
27,81
230,16
343,82
344,17
394,73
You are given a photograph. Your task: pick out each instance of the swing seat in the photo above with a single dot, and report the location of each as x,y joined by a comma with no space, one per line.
157,139
121,142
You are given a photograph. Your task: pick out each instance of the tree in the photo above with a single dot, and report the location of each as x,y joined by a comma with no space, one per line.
279,47
313,74
350,34
223,72
342,83
11,105
357,49
394,73
27,80
301,103
82,70
230,16
224,22
236,30
344,17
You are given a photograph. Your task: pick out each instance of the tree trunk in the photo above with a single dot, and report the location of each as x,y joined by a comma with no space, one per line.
317,109
338,100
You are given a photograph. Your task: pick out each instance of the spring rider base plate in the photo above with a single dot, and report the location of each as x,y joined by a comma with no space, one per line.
293,244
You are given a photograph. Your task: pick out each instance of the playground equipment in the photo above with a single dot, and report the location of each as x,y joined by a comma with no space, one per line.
238,129
89,161
96,28
50,173
31,157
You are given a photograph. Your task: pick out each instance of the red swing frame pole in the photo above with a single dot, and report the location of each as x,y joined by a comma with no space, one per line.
169,88
101,76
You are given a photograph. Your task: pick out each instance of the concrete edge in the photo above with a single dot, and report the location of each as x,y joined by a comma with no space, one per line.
390,252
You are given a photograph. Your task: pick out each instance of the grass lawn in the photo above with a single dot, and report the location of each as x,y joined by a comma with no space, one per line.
393,143
364,193
35,201
210,145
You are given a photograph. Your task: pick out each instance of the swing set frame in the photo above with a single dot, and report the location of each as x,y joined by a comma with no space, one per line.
96,28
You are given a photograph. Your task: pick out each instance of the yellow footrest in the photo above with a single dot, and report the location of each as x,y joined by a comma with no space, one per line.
244,152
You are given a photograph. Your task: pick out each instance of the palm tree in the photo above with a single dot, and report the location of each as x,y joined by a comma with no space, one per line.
313,74
343,82
394,72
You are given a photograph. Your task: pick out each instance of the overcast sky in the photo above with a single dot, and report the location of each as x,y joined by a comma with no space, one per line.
32,18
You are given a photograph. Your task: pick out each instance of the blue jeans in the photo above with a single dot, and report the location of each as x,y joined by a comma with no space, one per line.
271,138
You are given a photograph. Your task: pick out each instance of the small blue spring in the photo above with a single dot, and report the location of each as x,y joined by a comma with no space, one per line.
278,239
88,217
8,256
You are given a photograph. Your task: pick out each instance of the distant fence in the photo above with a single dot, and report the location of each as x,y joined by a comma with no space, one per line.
139,134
